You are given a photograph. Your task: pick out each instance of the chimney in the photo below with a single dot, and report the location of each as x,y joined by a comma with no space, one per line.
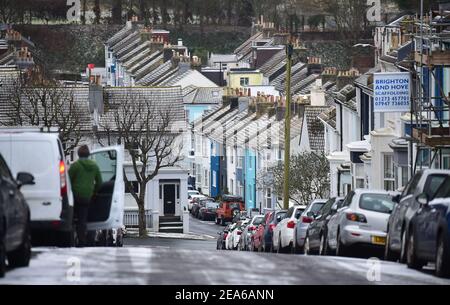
314,65
180,42
175,59
345,78
146,34
329,74
280,38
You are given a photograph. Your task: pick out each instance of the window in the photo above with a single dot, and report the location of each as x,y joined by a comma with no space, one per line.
444,190
376,202
433,183
206,178
231,186
446,162
240,162
199,174
269,198
214,178
131,186
279,156
389,178
245,81
412,186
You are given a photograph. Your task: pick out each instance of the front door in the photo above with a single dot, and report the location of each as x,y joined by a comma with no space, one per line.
169,199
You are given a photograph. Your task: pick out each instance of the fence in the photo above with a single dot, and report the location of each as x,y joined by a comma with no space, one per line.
131,218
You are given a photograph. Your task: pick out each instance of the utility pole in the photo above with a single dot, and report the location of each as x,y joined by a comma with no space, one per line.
287,125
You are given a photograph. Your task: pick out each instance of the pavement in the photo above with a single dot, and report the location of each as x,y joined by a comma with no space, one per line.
185,261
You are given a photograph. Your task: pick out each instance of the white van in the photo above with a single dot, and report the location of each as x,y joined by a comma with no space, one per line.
50,199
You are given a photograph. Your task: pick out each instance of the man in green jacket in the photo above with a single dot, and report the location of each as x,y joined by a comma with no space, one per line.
86,180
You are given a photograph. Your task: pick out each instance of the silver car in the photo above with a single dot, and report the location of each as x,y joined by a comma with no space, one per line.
361,219
250,229
303,223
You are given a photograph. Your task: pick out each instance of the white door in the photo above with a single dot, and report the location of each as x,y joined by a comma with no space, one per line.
107,208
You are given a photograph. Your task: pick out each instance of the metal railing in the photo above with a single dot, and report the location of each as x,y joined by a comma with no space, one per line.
131,218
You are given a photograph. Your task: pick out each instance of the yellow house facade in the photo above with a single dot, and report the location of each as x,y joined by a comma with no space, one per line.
243,77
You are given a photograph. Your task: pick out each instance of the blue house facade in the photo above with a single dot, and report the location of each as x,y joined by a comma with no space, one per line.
250,178
215,170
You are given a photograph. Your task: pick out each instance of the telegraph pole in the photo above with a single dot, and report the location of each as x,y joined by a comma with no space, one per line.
287,125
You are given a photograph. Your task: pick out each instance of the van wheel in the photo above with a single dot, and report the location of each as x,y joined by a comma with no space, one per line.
442,257
21,256
2,256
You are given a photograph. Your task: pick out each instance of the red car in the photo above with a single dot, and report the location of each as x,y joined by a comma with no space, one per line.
256,242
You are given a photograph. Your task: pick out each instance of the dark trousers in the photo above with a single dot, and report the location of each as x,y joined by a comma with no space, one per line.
81,214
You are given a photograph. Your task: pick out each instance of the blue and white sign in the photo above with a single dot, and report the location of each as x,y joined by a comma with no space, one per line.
392,92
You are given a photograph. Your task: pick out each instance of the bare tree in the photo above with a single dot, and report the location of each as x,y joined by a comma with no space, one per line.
146,128
308,177
46,105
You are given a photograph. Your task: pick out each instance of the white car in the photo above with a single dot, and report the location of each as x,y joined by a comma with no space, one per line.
229,239
237,233
361,219
283,234
191,200
302,225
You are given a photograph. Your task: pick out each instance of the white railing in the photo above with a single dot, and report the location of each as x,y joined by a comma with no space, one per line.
131,218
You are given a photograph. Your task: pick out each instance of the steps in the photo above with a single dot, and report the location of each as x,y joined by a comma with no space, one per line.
170,224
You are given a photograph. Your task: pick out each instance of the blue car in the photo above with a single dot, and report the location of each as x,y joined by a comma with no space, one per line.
429,239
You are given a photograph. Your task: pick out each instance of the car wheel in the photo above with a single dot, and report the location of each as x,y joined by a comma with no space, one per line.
411,257
307,249
404,242
341,249
442,257
279,248
2,256
21,256
389,255
323,250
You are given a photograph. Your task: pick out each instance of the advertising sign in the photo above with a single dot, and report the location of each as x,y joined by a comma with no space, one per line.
392,92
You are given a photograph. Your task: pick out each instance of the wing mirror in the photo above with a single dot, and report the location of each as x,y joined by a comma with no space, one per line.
423,199
25,179
396,198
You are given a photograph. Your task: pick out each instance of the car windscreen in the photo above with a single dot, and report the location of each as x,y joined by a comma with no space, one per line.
316,206
211,204
235,205
376,202
258,220
444,190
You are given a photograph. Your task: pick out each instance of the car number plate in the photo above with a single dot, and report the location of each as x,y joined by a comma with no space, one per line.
378,240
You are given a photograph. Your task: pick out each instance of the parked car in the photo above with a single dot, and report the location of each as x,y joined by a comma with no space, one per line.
360,221
267,235
302,224
429,234
427,181
208,210
257,238
192,199
198,203
249,231
228,208
283,233
316,234
15,238
229,238
222,237
237,233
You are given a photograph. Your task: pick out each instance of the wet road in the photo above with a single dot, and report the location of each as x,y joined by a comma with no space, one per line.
175,261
